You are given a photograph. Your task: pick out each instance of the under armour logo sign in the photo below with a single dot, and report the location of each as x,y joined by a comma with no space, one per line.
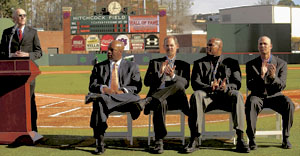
154,41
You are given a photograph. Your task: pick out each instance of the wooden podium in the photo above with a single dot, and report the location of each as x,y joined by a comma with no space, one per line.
15,111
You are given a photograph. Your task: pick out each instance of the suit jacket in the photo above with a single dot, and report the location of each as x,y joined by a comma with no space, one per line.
30,43
202,74
153,80
129,76
258,86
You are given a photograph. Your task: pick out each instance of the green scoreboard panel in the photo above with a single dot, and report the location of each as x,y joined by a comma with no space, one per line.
102,24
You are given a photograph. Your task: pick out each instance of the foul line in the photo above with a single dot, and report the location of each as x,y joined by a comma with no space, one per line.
57,114
41,95
52,104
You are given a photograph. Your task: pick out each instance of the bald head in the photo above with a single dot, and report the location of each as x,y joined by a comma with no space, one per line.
115,50
264,45
214,47
19,17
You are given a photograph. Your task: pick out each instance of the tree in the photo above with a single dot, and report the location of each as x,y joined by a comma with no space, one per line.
8,6
177,12
286,2
267,2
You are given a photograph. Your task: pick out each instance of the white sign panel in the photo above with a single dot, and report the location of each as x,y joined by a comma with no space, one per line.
125,40
93,43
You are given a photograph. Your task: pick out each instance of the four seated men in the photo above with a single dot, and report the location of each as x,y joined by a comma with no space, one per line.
216,80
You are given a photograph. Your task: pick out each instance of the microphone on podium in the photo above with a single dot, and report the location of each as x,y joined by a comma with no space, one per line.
11,36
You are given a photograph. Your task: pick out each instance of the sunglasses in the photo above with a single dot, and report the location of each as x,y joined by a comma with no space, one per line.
209,45
22,15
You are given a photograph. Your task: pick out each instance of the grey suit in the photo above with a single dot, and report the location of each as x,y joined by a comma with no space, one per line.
172,97
30,43
129,78
204,99
266,93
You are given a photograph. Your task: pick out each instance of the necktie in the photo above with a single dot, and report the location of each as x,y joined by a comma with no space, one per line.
20,35
114,78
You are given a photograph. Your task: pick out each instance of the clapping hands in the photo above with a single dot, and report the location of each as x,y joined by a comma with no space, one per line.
218,85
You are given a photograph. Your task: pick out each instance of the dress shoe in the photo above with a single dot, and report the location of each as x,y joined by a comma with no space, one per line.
286,144
91,97
99,147
144,102
252,144
193,145
159,147
242,147
99,150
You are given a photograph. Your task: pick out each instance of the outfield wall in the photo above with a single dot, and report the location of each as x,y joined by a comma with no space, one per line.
143,59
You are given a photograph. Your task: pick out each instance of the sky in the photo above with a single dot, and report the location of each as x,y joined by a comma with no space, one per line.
213,6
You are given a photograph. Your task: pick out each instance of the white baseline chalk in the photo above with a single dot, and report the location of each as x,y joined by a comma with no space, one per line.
57,114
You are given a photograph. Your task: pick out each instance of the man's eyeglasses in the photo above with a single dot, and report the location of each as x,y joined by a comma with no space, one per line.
210,45
22,15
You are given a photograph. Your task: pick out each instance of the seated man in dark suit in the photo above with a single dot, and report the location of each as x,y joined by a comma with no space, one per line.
266,78
216,81
168,78
114,86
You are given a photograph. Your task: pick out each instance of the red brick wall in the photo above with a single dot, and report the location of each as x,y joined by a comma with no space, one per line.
191,40
51,39
162,29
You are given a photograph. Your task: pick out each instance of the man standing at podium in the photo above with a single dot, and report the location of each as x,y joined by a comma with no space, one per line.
23,42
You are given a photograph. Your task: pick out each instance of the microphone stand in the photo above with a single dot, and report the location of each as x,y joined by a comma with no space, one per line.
11,36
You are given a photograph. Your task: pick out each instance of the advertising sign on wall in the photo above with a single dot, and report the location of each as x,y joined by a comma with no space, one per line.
143,23
93,43
151,42
125,40
105,41
78,43
137,42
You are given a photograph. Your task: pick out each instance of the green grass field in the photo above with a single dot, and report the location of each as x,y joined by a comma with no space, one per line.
79,142
78,83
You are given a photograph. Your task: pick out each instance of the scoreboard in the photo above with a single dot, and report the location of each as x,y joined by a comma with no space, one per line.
102,24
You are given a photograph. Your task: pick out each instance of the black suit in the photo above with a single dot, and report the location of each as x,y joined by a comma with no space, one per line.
129,79
30,43
205,99
172,96
266,93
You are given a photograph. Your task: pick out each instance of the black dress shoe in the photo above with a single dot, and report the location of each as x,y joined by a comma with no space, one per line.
159,147
99,147
144,102
91,97
242,147
99,150
286,144
252,144
193,145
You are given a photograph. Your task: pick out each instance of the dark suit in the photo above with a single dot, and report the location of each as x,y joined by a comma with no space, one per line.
204,99
172,96
30,43
129,78
266,93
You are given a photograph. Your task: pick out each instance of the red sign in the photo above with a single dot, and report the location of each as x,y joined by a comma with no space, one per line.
105,41
144,23
78,43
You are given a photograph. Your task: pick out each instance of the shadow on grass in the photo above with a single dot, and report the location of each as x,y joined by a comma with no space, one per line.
87,144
